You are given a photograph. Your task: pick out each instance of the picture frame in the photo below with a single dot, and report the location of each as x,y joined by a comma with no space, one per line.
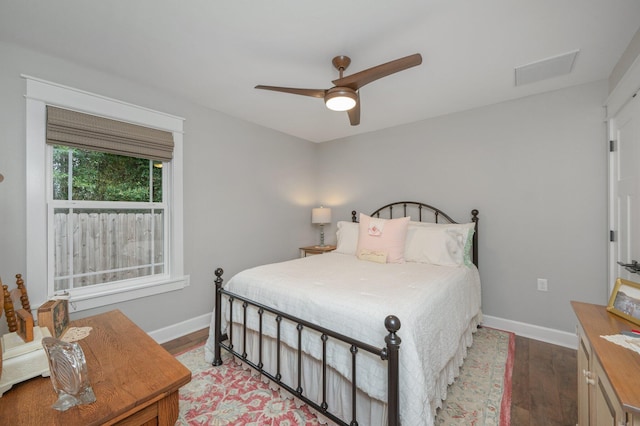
625,300
54,314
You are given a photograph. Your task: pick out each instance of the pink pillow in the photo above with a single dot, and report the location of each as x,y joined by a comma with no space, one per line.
383,235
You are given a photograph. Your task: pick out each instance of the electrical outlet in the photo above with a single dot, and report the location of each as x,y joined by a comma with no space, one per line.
542,284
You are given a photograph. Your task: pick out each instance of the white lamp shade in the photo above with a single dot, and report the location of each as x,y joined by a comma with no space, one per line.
321,215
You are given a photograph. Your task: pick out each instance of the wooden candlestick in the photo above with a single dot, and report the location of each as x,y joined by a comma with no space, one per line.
8,310
24,298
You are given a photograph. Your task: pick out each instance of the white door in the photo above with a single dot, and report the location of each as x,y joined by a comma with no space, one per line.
625,192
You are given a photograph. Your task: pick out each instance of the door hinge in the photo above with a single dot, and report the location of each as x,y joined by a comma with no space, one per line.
612,146
612,236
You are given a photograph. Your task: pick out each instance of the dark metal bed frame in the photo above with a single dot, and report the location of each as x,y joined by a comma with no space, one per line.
390,352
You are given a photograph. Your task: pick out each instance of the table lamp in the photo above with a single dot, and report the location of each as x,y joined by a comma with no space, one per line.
321,216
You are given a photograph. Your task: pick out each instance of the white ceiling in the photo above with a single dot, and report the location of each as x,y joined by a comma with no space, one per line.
214,52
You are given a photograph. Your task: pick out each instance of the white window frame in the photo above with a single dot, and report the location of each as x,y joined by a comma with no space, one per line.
39,94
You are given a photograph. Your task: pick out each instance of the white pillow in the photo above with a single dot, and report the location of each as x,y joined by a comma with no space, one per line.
347,237
437,246
440,244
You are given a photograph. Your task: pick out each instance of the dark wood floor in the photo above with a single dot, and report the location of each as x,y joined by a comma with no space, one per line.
544,387
188,341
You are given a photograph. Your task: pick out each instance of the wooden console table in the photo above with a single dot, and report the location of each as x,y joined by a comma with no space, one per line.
135,381
608,374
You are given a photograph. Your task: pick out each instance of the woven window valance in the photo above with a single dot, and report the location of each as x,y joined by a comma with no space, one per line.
85,131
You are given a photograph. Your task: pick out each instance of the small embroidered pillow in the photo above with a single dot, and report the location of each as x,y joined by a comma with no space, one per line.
373,256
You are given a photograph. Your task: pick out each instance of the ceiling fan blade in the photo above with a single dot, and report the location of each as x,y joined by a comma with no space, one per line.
359,79
354,114
316,93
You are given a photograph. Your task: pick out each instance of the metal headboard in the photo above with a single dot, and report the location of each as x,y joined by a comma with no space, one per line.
422,212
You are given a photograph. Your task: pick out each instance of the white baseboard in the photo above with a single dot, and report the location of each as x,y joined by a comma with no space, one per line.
548,335
178,330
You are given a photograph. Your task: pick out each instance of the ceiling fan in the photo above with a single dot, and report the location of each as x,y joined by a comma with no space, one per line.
344,95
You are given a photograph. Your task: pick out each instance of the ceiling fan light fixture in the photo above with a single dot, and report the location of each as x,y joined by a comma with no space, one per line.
344,96
340,99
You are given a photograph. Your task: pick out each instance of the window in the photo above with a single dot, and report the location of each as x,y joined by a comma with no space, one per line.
109,206
108,218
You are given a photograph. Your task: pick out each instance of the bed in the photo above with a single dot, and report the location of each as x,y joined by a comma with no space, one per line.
370,334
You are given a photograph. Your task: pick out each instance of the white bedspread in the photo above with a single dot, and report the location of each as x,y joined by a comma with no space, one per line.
435,305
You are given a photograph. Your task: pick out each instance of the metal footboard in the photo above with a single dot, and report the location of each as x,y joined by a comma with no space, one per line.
390,353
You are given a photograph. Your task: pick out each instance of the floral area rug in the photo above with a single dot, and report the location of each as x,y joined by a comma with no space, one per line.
231,395
481,395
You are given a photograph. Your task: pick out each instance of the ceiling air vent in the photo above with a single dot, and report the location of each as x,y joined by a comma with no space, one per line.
545,68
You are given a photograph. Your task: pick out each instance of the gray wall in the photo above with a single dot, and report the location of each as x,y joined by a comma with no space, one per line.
629,56
248,191
535,168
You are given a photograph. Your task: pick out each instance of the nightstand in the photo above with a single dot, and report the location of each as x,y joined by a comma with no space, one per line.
311,250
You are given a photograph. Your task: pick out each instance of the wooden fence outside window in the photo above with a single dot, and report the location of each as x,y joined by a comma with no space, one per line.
106,247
